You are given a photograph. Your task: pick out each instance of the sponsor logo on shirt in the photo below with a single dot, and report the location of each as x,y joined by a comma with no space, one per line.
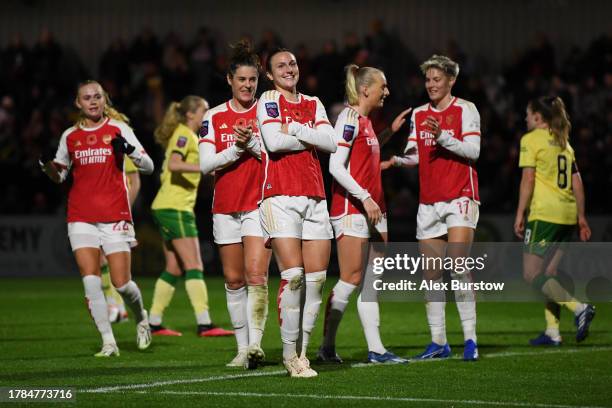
347,134
203,129
92,156
272,109
182,141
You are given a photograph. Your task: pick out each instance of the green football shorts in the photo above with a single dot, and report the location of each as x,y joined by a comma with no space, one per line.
175,224
542,237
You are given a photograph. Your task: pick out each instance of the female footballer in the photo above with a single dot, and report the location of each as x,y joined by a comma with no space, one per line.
99,216
358,209
230,146
293,209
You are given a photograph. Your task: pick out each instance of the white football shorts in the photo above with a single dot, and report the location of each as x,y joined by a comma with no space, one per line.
230,228
433,220
295,217
110,236
357,225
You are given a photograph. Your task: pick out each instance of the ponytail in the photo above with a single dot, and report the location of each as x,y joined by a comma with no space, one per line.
555,116
560,124
352,93
356,78
175,114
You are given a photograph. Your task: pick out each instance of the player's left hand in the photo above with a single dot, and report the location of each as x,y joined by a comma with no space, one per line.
243,135
285,128
399,120
584,231
384,165
121,146
519,226
433,125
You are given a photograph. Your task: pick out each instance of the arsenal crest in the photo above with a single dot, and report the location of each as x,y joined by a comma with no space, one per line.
272,109
450,119
107,139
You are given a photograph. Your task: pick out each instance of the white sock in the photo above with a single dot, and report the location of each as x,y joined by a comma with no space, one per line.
257,312
314,294
289,293
237,308
336,305
466,306
553,334
435,306
369,315
98,307
203,318
133,299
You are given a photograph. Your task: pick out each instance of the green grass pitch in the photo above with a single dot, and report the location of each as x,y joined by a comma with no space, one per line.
47,339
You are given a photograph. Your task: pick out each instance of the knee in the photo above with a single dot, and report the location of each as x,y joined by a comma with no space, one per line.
528,276
119,281
234,284
256,279
173,269
353,277
255,276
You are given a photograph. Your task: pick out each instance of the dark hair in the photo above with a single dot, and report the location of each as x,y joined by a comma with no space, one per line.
273,53
554,114
242,55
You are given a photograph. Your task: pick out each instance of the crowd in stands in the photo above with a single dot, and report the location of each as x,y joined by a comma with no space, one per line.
143,74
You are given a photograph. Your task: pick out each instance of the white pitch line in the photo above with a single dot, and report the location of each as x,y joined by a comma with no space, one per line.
371,398
279,372
187,381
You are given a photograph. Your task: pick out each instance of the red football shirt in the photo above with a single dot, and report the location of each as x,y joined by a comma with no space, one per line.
294,173
363,165
237,185
444,176
99,190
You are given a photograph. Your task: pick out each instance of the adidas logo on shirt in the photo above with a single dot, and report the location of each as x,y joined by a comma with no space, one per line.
223,126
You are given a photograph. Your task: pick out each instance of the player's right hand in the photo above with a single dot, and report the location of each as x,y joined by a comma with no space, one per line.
519,226
372,210
584,231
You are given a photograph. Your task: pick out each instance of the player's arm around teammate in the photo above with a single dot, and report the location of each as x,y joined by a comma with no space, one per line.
99,218
173,213
230,146
551,187
293,209
358,210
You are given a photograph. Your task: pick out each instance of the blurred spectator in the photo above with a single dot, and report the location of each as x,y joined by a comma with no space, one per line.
35,107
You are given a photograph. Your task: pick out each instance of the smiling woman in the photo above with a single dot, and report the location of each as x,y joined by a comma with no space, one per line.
293,210
230,146
99,219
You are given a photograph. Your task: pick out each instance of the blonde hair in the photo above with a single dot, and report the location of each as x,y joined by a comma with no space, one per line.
175,114
356,78
109,109
554,114
443,63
